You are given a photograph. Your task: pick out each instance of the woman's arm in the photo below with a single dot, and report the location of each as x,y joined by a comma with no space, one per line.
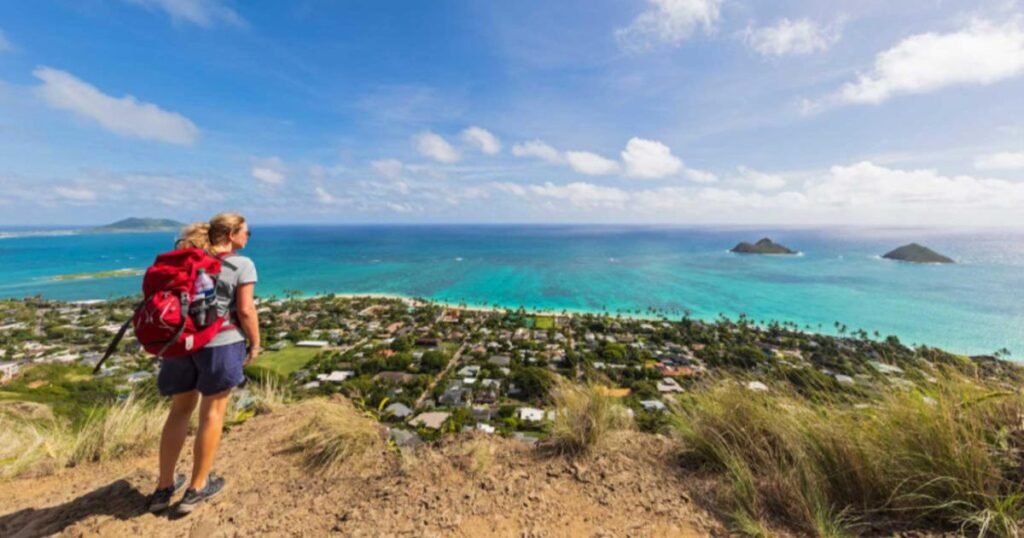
248,320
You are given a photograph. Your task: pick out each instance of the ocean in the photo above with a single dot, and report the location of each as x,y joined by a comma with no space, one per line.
975,306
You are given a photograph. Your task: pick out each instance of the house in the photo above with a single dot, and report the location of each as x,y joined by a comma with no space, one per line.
486,428
653,405
455,394
427,342
398,378
469,371
481,412
669,385
8,370
278,346
337,376
614,392
64,358
530,414
405,438
431,419
500,360
311,343
398,410
311,385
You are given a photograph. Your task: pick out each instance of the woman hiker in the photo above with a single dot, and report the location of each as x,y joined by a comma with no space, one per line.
207,376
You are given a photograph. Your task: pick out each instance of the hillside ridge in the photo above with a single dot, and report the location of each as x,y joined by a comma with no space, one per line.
432,491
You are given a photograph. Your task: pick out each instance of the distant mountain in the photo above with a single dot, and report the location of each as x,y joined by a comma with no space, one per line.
915,253
135,224
764,246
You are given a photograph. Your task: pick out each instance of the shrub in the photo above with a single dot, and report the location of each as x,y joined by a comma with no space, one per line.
337,437
477,456
269,393
130,427
30,446
946,459
584,416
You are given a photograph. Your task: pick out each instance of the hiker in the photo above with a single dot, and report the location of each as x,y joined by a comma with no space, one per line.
207,376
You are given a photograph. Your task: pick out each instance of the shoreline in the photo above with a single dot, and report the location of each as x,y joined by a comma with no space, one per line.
569,313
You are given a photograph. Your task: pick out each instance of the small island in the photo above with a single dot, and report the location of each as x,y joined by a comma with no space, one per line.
915,253
764,246
136,224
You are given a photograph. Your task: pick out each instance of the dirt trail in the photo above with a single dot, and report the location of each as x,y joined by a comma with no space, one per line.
466,487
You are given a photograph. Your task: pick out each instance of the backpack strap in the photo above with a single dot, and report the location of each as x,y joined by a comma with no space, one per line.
223,258
117,339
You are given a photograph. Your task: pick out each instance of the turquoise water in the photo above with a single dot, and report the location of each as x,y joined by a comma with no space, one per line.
975,306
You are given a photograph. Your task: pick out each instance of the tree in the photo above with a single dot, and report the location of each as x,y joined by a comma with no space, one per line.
433,361
533,382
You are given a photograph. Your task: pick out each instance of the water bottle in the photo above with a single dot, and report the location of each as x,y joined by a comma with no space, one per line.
203,298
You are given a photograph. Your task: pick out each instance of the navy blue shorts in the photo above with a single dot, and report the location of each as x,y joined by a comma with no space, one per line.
210,370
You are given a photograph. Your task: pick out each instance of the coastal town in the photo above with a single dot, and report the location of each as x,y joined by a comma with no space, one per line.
427,369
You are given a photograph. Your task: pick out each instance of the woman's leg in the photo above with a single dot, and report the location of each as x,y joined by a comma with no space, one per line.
211,423
173,437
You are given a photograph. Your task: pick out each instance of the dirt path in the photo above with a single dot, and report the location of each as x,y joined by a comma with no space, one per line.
465,487
451,364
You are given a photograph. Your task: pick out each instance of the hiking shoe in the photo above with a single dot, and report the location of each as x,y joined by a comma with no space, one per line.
193,498
161,498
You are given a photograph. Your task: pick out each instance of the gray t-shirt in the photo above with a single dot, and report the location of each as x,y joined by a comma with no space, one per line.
244,272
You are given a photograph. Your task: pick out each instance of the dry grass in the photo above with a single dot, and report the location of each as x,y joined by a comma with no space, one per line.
34,442
476,456
30,447
585,416
948,460
270,393
128,428
337,438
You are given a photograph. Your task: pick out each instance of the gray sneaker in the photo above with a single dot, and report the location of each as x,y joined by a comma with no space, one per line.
193,498
161,498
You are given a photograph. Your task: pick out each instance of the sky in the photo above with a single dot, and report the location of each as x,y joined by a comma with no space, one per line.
695,112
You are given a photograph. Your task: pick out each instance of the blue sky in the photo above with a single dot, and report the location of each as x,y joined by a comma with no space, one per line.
650,111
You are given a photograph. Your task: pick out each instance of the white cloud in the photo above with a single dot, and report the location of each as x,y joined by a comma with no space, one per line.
538,149
580,194
482,139
126,116
270,170
669,22
200,12
436,147
590,164
649,159
390,168
982,53
878,188
857,194
324,197
75,194
5,45
1000,161
760,180
792,37
700,176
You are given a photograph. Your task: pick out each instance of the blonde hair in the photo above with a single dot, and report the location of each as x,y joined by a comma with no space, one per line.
205,235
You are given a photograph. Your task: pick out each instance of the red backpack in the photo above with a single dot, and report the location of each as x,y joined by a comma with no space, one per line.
171,321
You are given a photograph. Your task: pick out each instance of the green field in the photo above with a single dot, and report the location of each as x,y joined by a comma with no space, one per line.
286,361
544,322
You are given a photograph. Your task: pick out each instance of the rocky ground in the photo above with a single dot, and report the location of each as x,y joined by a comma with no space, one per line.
469,486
